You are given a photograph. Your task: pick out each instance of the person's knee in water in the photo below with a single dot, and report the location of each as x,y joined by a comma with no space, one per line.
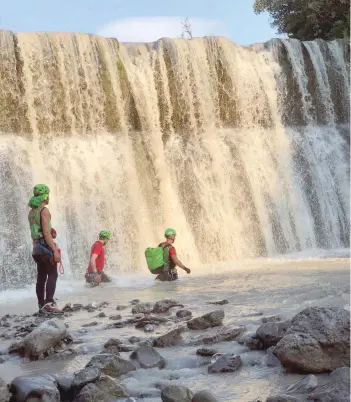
169,272
45,252
94,274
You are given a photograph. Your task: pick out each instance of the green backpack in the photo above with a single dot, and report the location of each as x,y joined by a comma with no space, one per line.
157,257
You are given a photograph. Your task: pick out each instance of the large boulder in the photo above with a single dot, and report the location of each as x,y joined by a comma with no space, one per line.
174,393
225,363
26,387
170,338
4,392
148,357
223,334
111,365
208,320
271,333
48,334
317,341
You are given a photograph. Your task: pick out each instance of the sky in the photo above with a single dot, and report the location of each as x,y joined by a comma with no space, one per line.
139,20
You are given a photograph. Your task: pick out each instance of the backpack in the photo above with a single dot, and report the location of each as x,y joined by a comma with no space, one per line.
157,258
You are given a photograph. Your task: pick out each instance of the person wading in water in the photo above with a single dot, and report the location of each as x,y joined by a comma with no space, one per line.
45,253
95,272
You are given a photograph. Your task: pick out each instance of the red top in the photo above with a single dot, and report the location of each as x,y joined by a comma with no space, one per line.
98,249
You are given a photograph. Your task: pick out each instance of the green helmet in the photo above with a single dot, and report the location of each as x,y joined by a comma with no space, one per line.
170,232
104,234
40,189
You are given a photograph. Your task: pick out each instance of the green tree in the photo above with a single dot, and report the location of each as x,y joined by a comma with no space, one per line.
308,19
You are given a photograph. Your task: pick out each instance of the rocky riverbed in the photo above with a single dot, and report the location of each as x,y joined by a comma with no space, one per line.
214,349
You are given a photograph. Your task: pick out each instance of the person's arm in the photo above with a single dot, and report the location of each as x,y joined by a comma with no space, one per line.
93,262
45,219
179,263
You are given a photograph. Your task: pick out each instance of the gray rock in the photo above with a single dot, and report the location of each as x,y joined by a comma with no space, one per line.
115,317
331,392
219,302
223,334
91,393
4,392
133,339
341,374
206,352
273,318
119,308
90,324
113,342
149,328
184,314
111,365
204,396
225,363
175,393
282,398
170,338
101,315
64,382
163,306
85,376
42,338
25,387
208,320
144,308
307,384
135,301
111,387
148,357
272,332
271,359
317,341
127,348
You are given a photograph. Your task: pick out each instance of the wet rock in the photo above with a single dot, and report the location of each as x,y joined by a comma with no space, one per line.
147,357
204,396
144,308
111,365
223,334
219,302
225,363
115,317
112,342
317,341
341,374
127,348
101,315
270,359
120,307
112,349
206,352
331,392
135,301
77,307
134,339
282,398
307,384
273,318
91,393
4,392
146,342
169,339
149,328
91,306
252,342
184,314
64,383
163,306
271,333
85,376
102,304
42,338
175,393
25,387
208,320
111,387
90,324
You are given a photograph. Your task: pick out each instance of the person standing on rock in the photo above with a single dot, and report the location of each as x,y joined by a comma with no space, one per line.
45,253
165,253
95,272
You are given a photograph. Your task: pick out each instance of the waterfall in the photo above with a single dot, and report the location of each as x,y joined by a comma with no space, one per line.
244,150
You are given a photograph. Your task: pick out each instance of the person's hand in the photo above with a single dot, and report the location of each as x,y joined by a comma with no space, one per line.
98,278
187,270
57,256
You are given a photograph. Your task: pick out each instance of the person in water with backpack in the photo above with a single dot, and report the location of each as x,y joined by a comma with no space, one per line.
45,253
162,261
95,272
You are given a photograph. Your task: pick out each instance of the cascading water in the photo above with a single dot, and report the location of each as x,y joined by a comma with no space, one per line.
245,151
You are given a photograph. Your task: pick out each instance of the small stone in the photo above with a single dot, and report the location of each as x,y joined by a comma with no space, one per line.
120,307
184,314
163,306
115,317
112,342
273,318
101,315
169,339
135,301
225,363
219,302
209,320
175,393
90,324
133,339
206,352
111,365
144,308
148,328
147,357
